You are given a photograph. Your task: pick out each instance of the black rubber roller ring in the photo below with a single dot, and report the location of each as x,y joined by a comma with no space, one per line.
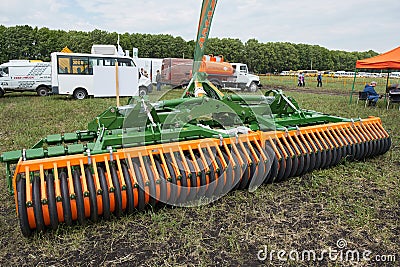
51,201
22,209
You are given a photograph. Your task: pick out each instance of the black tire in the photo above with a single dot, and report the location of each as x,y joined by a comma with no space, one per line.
66,204
42,91
22,212
37,204
142,91
1,92
253,87
51,201
79,197
80,94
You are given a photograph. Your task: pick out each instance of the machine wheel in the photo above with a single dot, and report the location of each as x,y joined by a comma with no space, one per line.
142,91
163,183
246,171
193,180
273,172
37,205
51,201
184,191
92,196
42,91
140,185
80,93
203,179
129,190
79,197
117,191
152,183
253,87
65,199
174,198
104,193
1,92
220,180
22,212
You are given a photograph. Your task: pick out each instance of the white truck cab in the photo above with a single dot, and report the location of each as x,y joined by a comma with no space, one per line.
25,75
244,79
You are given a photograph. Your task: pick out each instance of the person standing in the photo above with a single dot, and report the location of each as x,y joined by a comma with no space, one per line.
158,80
303,81
299,79
319,80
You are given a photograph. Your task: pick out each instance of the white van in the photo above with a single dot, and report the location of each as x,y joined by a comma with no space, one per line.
395,75
25,75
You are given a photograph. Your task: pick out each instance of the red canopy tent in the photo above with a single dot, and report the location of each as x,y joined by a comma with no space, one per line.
387,61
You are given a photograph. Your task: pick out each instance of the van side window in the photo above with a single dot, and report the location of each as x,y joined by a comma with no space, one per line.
4,72
64,64
125,62
109,62
80,65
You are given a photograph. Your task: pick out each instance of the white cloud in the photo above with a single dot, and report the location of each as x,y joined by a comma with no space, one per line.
352,25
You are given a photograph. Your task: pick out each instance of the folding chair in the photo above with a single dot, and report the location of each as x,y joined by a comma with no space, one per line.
393,97
363,96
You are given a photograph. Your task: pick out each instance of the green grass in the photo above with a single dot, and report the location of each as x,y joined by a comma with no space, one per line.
338,85
356,201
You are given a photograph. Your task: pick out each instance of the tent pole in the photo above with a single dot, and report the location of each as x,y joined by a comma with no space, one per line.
387,84
352,89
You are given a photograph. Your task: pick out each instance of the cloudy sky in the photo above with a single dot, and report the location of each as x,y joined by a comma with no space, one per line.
350,25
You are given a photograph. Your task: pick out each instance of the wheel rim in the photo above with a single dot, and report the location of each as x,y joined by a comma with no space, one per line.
42,92
253,87
80,94
142,92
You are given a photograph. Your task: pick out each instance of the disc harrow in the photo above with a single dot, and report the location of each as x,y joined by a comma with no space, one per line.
179,152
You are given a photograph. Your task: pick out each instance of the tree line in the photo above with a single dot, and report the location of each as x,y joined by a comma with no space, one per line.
26,42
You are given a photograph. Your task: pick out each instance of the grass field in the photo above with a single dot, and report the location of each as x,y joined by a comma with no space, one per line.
340,85
357,202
